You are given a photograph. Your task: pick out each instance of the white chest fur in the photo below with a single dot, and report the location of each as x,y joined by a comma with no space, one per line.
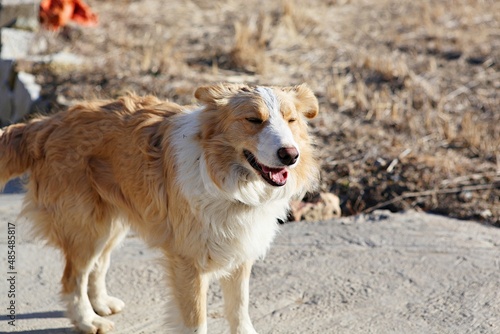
234,233
238,223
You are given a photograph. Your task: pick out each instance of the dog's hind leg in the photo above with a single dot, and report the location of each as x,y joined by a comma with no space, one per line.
102,303
81,256
80,228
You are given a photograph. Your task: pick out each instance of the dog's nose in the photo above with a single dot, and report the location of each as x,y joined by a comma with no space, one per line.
288,155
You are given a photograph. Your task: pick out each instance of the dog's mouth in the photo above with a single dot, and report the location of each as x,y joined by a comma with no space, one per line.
274,176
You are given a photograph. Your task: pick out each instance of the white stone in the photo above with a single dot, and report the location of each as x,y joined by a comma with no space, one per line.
15,43
59,59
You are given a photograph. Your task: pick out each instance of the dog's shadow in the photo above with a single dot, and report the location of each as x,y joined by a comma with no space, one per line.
43,315
68,330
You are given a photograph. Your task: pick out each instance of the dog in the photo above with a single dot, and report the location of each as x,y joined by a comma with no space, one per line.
205,184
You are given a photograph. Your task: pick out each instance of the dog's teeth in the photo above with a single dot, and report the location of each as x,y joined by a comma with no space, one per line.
270,175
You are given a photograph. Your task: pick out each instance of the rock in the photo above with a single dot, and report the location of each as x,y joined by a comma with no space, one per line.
6,73
15,43
20,14
18,93
5,105
60,62
26,92
485,214
324,206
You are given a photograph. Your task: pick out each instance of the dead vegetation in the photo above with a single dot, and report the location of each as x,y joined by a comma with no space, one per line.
408,90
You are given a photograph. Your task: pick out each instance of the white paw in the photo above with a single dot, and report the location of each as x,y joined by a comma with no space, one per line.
95,325
107,305
244,329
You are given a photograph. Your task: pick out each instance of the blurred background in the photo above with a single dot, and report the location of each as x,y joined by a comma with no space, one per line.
409,91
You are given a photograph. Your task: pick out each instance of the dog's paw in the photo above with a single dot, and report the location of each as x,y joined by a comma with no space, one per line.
243,329
95,325
107,305
248,331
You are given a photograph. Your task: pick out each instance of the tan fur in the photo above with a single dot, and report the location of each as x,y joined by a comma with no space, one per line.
103,166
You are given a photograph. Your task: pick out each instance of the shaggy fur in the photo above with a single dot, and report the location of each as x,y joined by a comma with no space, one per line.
205,185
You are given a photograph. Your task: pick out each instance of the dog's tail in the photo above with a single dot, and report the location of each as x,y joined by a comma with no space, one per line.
14,157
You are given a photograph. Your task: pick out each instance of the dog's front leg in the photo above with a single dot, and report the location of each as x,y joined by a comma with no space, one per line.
236,295
189,289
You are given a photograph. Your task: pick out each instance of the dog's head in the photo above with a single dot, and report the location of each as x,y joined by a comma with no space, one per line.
256,139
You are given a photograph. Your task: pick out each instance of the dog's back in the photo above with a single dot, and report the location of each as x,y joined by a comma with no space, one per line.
88,160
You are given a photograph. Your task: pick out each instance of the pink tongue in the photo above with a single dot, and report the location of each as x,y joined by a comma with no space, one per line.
278,175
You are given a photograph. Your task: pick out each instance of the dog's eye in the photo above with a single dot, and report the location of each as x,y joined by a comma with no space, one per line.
255,120
291,120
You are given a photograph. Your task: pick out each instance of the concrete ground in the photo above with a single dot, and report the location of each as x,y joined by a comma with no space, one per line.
378,273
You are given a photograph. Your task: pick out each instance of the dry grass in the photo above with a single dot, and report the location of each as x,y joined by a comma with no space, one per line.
408,90
248,53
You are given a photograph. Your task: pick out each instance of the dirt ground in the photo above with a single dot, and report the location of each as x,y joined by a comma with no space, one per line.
408,90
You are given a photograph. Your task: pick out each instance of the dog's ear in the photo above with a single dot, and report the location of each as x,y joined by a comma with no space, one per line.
210,94
217,94
305,101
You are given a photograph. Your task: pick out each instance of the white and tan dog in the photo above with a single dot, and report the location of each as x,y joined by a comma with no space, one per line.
206,185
